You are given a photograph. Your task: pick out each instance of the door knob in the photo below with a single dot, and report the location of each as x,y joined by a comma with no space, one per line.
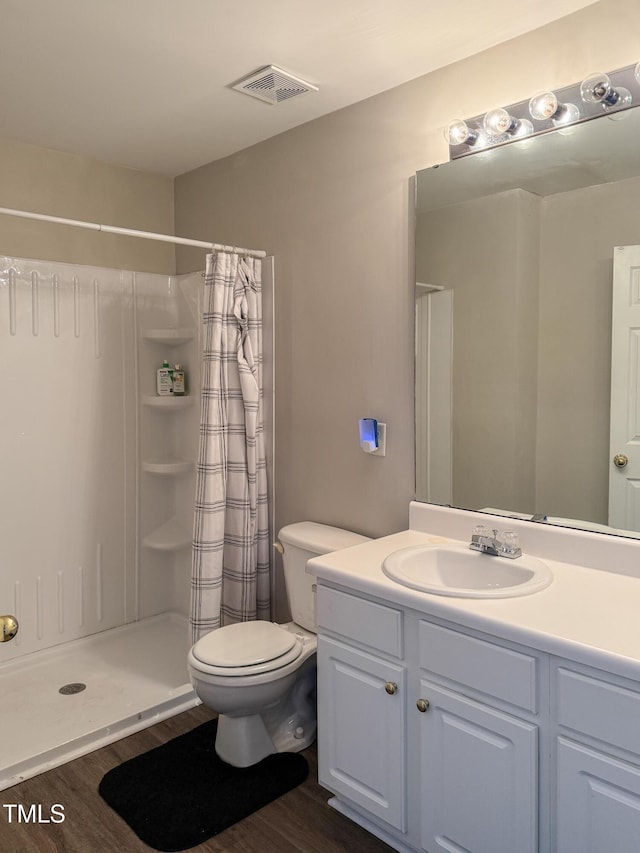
8,628
391,687
620,460
423,705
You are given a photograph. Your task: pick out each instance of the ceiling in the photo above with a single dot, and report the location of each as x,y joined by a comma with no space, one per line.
146,84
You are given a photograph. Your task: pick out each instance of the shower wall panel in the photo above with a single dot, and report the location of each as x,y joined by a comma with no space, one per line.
67,452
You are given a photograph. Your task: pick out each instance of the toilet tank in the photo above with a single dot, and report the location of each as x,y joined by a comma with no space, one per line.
301,542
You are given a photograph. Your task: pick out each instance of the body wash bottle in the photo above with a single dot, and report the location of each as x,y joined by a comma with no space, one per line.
164,380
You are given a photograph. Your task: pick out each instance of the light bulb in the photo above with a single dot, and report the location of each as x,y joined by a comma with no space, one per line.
545,106
597,89
498,122
566,114
523,128
458,132
624,97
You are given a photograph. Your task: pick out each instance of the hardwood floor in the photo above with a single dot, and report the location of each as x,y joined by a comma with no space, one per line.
298,822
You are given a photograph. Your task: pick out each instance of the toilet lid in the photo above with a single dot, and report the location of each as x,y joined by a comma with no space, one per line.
246,644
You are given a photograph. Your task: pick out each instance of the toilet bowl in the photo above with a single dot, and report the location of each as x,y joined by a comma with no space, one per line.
260,677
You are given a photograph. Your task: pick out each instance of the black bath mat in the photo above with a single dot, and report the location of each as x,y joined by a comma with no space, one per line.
180,794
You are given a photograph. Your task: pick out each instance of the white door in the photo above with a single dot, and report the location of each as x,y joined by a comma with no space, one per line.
624,450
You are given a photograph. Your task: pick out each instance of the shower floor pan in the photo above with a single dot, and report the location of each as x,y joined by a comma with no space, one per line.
135,676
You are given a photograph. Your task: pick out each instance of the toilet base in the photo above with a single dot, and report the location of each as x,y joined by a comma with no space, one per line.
288,725
243,741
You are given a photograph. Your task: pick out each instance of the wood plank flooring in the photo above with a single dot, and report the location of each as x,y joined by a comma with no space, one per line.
298,822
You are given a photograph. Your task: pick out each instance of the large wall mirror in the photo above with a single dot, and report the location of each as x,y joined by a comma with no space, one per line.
527,303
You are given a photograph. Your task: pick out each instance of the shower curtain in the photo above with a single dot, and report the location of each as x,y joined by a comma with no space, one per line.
230,579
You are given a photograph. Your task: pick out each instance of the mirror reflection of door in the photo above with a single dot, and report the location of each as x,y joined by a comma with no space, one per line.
624,473
434,392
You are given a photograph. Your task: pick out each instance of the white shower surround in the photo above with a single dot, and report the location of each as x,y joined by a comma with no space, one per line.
96,495
74,505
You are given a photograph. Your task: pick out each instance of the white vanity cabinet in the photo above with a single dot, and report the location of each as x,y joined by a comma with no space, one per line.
440,739
426,735
597,761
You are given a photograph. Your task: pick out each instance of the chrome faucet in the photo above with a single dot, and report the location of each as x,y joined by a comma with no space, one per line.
494,542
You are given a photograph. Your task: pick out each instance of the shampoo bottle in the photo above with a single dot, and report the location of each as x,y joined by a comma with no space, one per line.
164,381
178,380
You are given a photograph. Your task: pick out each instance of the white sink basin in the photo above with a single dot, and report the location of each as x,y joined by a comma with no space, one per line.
462,573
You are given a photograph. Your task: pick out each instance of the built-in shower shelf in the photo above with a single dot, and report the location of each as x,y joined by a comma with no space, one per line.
170,536
168,403
167,467
169,337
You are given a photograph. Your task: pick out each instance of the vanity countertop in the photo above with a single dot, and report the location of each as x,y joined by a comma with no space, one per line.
586,615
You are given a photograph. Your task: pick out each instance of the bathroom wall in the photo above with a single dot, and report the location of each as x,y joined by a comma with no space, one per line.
74,187
333,201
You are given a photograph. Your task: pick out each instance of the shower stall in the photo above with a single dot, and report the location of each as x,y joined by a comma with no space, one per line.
97,478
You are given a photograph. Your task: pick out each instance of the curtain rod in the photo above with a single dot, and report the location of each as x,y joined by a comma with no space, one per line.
129,232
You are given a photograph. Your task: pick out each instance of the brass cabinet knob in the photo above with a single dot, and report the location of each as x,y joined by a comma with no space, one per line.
422,705
620,460
391,687
8,628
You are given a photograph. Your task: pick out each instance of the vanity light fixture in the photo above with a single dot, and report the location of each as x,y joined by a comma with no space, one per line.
598,89
609,93
545,106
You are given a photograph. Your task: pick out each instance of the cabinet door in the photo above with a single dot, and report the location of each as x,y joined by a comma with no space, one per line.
479,777
361,729
598,802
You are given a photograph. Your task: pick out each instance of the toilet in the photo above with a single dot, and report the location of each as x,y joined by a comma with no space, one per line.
260,677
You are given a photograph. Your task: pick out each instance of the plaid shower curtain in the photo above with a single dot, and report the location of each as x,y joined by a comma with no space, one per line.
230,580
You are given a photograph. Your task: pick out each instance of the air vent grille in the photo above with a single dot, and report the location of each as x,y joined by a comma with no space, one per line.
273,85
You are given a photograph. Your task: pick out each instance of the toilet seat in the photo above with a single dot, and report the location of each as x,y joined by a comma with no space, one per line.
246,648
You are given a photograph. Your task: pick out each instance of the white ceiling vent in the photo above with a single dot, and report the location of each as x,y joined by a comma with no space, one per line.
273,85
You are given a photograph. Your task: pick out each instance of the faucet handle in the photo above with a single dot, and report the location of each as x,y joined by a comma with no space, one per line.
481,531
508,544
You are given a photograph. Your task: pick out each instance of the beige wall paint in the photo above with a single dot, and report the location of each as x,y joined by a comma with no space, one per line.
74,187
332,200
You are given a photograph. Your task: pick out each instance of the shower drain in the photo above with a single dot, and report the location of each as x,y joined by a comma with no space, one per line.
70,689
